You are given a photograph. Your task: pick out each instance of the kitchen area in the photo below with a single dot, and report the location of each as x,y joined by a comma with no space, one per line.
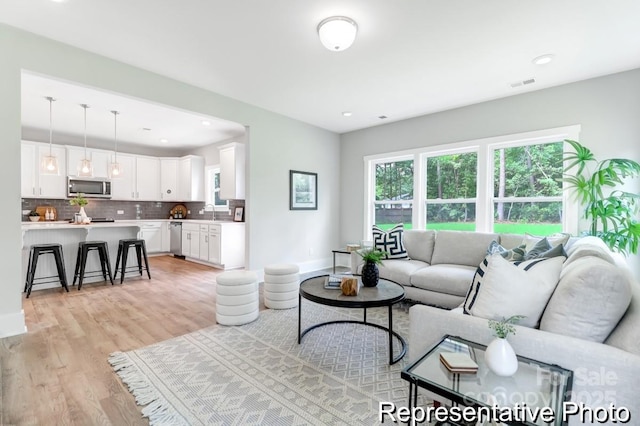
185,201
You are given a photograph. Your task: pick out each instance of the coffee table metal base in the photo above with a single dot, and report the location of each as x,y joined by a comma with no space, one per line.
389,330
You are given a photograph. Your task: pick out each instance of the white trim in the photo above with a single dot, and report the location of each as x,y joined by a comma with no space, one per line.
484,192
12,324
450,200
207,188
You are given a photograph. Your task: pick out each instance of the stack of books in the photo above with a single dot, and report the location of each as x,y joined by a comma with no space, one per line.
458,362
333,281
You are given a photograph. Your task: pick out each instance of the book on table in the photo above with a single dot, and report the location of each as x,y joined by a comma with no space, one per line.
333,281
458,362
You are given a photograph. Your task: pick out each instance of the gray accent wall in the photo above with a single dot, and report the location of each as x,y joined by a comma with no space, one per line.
607,108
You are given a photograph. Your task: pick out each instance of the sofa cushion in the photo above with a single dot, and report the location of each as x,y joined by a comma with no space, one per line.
419,243
444,278
626,335
501,289
590,299
398,270
590,246
461,248
390,241
510,241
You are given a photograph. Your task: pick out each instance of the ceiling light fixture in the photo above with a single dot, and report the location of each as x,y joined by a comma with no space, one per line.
49,165
163,140
206,123
543,59
115,169
337,33
347,113
85,168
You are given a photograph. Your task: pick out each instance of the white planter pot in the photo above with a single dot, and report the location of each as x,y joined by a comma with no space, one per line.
500,358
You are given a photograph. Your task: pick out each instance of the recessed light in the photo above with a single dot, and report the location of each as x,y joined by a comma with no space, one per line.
163,140
206,123
543,59
146,129
59,1
347,114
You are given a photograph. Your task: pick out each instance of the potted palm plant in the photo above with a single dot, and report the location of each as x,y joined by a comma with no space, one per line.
372,258
611,214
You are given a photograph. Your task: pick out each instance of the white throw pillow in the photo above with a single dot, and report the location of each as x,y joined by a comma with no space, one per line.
390,241
501,289
531,240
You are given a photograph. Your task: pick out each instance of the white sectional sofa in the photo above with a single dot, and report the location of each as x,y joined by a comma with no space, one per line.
590,325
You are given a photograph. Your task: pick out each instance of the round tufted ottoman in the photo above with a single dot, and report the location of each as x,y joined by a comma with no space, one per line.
281,286
237,300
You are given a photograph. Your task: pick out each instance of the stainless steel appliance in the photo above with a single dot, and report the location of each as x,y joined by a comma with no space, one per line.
89,187
175,239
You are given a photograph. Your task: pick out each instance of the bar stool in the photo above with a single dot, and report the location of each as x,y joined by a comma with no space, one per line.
84,247
36,251
123,252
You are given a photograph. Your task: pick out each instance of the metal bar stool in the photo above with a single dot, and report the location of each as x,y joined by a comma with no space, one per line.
36,251
123,252
84,247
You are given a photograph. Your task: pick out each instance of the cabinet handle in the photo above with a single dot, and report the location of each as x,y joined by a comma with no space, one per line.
133,195
40,191
137,194
206,238
33,190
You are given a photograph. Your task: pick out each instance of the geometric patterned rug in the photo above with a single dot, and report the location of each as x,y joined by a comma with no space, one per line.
258,374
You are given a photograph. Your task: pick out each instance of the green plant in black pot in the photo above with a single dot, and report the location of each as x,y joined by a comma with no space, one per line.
372,258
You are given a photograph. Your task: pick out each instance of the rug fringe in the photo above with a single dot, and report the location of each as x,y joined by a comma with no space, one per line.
157,409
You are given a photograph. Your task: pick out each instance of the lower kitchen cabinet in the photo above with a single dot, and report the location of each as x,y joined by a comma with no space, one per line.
220,244
153,235
191,240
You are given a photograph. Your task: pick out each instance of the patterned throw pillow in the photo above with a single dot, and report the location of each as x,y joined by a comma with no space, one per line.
513,255
390,241
544,249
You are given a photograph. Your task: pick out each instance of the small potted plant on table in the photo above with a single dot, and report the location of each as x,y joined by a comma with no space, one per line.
499,355
372,258
79,200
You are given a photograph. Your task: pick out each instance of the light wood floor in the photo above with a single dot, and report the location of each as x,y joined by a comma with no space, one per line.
58,372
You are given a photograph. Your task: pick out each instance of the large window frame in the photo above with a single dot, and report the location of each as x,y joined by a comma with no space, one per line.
211,205
485,198
372,187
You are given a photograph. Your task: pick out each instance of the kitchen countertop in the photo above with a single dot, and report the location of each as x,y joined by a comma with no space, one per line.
63,224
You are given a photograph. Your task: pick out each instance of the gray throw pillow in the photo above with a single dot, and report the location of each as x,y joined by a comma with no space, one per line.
512,255
539,251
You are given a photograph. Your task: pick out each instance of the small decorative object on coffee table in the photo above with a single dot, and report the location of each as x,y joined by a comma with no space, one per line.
79,200
500,356
372,258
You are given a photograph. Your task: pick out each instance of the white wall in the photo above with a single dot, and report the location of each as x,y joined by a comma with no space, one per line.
276,145
607,108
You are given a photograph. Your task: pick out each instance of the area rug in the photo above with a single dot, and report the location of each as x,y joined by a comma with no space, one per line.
259,374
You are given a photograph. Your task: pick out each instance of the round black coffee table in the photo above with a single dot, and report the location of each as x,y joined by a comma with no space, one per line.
386,293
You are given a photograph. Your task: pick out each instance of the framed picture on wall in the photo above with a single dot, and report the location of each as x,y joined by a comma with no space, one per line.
238,214
303,190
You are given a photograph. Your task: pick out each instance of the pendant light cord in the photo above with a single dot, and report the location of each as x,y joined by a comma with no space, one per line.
85,106
50,99
115,134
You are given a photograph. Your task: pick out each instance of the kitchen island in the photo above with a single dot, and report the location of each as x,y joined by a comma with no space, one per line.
69,235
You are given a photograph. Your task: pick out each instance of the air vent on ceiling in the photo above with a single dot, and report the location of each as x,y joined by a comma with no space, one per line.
523,82
382,117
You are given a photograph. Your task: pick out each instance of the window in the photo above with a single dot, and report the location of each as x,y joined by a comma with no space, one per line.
451,183
505,184
527,188
212,188
393,193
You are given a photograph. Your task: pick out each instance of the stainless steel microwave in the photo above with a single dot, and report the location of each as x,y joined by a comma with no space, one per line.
89,187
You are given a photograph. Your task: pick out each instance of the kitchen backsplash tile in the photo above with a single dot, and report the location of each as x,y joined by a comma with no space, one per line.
109,209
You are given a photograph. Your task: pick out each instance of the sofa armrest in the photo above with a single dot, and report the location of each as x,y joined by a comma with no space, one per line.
602,374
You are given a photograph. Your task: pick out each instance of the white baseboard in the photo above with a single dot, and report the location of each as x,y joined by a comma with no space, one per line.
12,324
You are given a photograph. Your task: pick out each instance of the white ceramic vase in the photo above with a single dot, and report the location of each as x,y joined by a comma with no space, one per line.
83,214
500,358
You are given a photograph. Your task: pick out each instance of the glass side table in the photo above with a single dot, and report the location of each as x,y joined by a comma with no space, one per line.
536,384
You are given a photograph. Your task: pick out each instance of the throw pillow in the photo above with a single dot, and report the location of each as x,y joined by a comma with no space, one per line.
390,241
540,253
512,255
554,240
501,289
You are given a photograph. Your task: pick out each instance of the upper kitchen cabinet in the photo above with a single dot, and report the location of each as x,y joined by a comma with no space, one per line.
99,160
139,180
169,179
33,184
191,178
232,158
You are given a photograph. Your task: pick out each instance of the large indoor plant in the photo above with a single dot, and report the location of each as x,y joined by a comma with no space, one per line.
372,258
611,212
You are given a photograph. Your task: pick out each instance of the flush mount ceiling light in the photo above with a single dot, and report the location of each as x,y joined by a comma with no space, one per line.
49,165
206,123
85,168
115,170
337,33
543,59
164,140
347,113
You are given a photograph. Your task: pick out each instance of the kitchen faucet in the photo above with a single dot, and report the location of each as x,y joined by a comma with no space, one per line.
213,210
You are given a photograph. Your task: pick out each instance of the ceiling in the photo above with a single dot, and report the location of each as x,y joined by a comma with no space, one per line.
410,58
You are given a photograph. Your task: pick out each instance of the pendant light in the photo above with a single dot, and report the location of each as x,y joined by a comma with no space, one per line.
115,170
49,165
85,168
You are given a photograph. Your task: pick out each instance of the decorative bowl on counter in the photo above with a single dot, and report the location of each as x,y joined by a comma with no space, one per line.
34,218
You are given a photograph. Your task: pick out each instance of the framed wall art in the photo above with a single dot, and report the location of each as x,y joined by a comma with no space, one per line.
303,190
238,214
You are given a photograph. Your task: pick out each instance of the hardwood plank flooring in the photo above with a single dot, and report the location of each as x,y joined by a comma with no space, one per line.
58,373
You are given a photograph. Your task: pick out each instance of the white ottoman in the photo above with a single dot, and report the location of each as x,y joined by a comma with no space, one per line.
281,286
237,300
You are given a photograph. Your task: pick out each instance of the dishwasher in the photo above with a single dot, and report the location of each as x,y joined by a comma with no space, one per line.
175,238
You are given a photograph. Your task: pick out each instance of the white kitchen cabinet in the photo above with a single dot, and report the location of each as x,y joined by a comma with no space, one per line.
124,186
191,240
169,179
166,236
203,254
232,171
99,160
151,233
191,178
36,185
147,178
214,244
